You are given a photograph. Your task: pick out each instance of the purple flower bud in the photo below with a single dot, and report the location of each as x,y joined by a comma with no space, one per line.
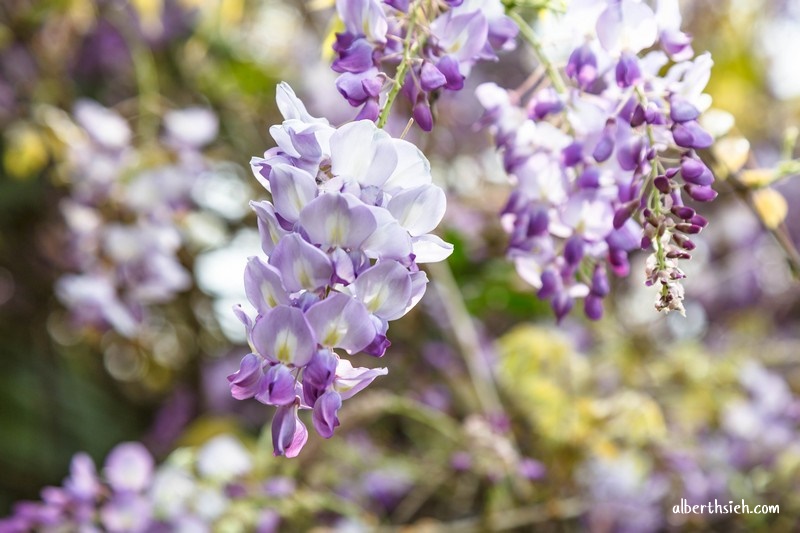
638,116
422,115
682,212
448,66
681,110
355,58
700,193
289,434
572,154
430,77
695,172
538,222
546,102
647,242
318,375
688,228
604,148
652,114
245,382
699,220
627,71
589,178
629,153
599,282
691,135
573,250
623,213
562,304
662,184
550,284
677,44
378,346
582,66
683,241
618,259
277,387
325,417
593,307
369,111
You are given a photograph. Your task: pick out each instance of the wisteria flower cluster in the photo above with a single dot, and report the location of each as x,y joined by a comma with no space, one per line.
347,226
123,241
432,45
194,490
601,161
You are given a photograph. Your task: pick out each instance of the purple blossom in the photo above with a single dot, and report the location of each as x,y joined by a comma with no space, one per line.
446,40
585,199
348,223
122,240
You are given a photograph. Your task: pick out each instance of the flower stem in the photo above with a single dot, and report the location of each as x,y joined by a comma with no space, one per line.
530,36
466,336
402,69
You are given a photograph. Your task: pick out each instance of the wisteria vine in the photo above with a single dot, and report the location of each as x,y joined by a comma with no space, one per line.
601,159
350,220
598,160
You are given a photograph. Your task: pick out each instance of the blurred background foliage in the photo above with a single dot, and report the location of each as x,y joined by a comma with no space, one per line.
620,418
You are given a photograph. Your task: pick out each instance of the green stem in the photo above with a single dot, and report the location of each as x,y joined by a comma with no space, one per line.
402,69
529,35
466,336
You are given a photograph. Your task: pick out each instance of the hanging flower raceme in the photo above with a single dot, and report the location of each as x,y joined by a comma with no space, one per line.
123,241
348,224
602,161
434,43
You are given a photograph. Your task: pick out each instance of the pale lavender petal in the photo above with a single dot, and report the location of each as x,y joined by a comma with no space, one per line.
389,241
319,374
269,228
291,107
341,321
330,220
419,210
292,189
284,336
263,285
430,249
627,25
363,152
277,387
325,417
302,265
350,381
385,289
245,382
412,168
289,434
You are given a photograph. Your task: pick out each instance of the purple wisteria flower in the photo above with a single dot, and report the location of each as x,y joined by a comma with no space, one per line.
350,220
193,490
602,161
123,239
433,46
